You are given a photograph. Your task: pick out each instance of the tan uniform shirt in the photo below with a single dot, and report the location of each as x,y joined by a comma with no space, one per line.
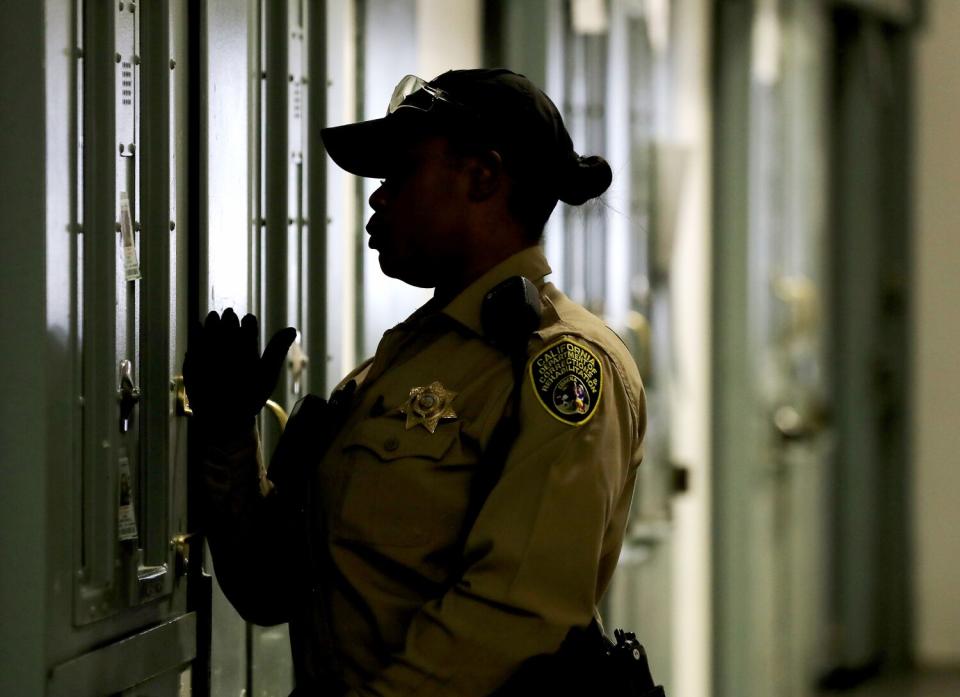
428,602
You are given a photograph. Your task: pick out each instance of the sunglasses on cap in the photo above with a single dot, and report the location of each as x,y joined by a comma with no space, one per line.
414,92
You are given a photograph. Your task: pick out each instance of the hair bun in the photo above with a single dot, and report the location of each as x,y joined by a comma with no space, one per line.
585,178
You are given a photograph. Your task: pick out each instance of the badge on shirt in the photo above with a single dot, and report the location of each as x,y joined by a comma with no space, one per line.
427,406
568,379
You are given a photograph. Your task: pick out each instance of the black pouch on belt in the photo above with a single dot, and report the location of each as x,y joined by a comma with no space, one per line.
312,426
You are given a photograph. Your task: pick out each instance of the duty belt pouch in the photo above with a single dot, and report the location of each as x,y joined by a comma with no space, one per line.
286,465
312,426
587,664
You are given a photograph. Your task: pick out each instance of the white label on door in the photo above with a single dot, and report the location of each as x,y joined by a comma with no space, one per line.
131,267
128,520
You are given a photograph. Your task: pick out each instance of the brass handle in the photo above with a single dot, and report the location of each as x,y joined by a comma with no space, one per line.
793,425
802,299
266,486
183,402
181,545
279,412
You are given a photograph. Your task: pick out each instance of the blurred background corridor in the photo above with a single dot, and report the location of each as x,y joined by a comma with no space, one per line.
779,250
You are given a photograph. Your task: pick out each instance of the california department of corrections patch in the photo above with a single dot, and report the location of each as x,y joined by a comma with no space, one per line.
568,379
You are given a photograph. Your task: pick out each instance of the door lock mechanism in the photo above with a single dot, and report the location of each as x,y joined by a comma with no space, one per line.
128,395
183,401
297,363
182,547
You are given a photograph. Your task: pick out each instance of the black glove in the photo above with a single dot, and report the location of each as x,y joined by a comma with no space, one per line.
226,378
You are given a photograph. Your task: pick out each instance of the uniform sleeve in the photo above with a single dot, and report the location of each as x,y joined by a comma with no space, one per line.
248,534
532,556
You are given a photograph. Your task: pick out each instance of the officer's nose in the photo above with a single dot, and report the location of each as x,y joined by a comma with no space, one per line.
378,199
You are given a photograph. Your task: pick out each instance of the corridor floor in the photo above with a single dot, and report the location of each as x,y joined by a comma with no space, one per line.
923,684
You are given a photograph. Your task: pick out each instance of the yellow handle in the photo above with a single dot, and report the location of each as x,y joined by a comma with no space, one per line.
279,412
183,402
266,486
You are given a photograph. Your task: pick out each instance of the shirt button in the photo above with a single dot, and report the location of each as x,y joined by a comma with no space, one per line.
391,444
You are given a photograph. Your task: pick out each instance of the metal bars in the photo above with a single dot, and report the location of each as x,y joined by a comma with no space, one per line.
155,373
98,339
129,314
315,278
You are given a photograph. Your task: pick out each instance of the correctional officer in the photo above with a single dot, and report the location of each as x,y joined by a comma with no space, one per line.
458,506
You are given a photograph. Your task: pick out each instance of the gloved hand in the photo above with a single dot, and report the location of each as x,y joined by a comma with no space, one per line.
226,378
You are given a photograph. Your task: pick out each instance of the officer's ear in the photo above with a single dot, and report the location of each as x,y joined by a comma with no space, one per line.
485,174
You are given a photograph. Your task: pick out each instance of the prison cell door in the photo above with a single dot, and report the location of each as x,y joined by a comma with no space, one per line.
266,240
122,567
871,280
771,438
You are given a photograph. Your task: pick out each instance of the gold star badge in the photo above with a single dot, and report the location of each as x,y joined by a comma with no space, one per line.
427,406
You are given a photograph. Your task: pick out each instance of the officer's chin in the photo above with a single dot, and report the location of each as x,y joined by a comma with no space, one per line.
405,271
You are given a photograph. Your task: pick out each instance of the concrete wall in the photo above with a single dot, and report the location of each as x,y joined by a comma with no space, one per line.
691,289
448,36
936,428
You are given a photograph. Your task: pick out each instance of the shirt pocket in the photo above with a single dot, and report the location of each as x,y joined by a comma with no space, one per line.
403,488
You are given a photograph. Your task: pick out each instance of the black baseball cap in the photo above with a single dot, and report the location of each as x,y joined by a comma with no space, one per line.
496,107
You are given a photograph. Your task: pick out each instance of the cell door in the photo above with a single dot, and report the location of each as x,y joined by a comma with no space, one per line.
870,346
772,440
264,241
122,573
788,226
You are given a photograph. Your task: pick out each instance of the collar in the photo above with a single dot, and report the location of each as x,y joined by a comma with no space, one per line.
465,308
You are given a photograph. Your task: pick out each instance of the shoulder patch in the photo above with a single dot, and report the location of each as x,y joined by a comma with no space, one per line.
567,378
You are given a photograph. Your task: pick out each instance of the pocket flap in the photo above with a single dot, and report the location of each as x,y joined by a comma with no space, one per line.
389,440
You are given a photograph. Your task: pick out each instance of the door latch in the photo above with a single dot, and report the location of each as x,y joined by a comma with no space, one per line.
182,547
128,395
297,363
183,401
